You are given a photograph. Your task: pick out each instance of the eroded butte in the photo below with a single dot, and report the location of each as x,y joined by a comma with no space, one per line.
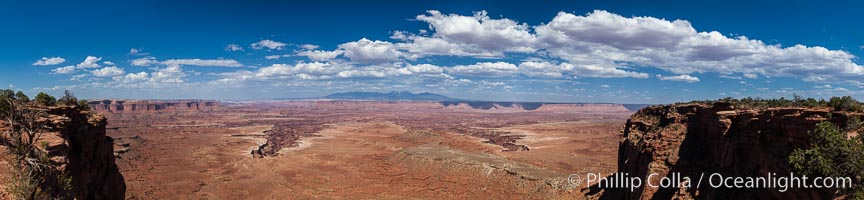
364,150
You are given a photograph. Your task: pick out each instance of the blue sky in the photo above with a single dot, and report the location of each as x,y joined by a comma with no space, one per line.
565,51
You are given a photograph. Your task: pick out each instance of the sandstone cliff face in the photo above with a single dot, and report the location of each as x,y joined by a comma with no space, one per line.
597,107
536,107
77,144
89,154
694,139
126,106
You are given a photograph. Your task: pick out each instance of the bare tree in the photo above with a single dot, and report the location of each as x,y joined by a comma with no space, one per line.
797,100
34,176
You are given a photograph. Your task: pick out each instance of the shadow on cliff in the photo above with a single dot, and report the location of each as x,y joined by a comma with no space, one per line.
717,139
90,154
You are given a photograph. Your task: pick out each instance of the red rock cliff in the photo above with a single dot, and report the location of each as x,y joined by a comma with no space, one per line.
77,144
123,106
87,153
692,139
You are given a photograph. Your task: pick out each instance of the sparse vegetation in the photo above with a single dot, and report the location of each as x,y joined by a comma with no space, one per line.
33,176
68,99
22,97
7,94
833,154
45,99
854,123
83,105
10,95
845,103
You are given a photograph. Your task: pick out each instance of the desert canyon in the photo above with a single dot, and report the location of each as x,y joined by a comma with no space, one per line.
403,100
359,149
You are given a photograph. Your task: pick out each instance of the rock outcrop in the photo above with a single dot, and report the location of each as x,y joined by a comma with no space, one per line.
534,107
583,107
126,106
76,144
693,139
88,152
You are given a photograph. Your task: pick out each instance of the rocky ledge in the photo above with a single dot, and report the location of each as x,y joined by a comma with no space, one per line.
692,139
148,106
76,144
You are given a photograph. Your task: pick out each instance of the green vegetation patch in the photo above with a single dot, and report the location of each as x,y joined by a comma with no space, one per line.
833,154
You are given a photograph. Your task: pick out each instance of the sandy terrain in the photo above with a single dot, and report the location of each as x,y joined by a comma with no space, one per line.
373,154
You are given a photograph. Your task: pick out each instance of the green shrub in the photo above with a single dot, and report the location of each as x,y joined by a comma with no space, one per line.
845,103
83,105
832,154
4,105
853,123
45,99
7,94
20,96
10,95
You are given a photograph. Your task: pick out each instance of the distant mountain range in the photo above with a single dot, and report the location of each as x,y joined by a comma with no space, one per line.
445,100
390,96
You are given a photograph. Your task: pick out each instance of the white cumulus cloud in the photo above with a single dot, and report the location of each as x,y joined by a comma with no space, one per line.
368,51
64,70
602,38
683,78
826,86
269,44
50,61
89,62
321,55
491,69
233,47
108,72
273,57
132,78
309,46
146,61
204,62
481,30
